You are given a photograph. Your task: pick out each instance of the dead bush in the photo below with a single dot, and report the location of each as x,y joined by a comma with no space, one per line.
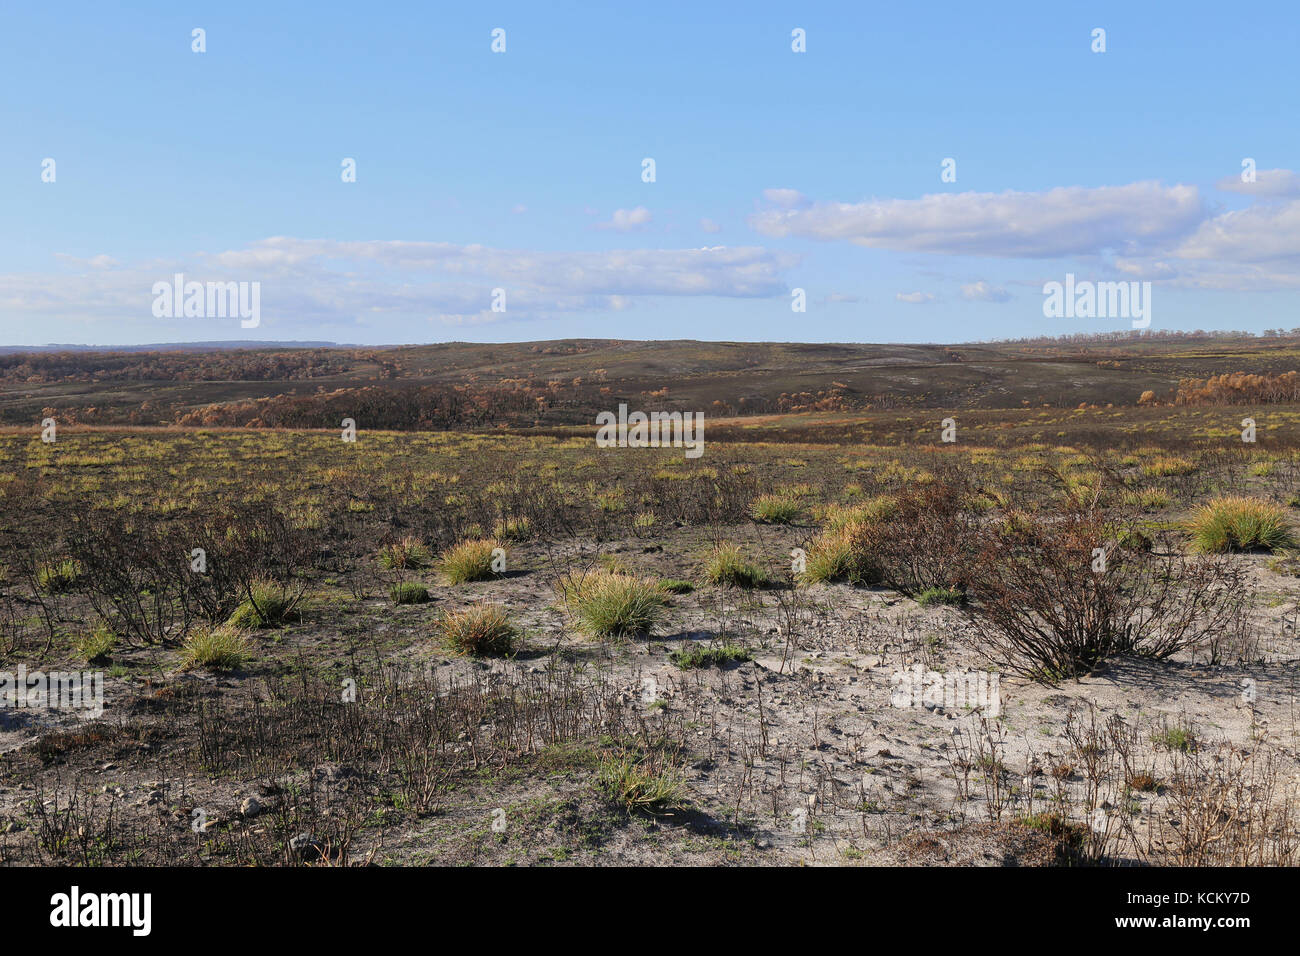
1054,596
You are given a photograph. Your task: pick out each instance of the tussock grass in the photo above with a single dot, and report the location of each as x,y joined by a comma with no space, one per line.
404,555
952,597
844,552
608,604
875,509
1238,523
720,656
97,646
481,630
829,558
470,560
272,604
217,648
408,592
1165,466
643,784
513,529
727,566
58,577
776,509
1146,498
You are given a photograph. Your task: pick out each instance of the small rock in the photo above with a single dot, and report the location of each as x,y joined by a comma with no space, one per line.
305,845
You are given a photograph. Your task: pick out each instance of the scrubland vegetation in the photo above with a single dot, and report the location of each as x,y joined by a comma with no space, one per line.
358,652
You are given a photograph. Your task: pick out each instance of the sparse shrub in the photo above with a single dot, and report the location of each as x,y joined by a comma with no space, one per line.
776,509
727,566
1236,523
408,592
217,648
480,629
404,555
470,560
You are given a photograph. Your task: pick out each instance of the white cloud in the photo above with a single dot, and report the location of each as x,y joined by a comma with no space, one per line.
786,198
981,291
320,280
1258,233
914,298
625,220
1069,220
1268,184
708,225
100,261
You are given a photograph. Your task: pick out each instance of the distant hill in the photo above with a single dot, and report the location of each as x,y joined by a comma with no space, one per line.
170,347
568,381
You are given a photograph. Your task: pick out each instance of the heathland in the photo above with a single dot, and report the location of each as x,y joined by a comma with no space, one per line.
977,604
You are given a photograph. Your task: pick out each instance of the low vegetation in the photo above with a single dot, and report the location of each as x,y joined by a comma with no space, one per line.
481,630
1236,523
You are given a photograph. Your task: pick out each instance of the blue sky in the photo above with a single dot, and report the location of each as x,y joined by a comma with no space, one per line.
522,170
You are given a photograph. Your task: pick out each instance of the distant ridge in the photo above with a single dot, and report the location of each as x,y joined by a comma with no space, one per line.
174,347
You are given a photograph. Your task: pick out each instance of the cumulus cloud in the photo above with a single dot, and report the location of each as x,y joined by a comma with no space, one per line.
983,292
625,220
1258,233
1268,184
1070,220
1246,250
914,298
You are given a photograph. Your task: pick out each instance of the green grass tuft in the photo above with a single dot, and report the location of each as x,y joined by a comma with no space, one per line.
1236,523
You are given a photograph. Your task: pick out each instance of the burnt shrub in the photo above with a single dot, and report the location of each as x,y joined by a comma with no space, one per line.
928,541
1052,596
